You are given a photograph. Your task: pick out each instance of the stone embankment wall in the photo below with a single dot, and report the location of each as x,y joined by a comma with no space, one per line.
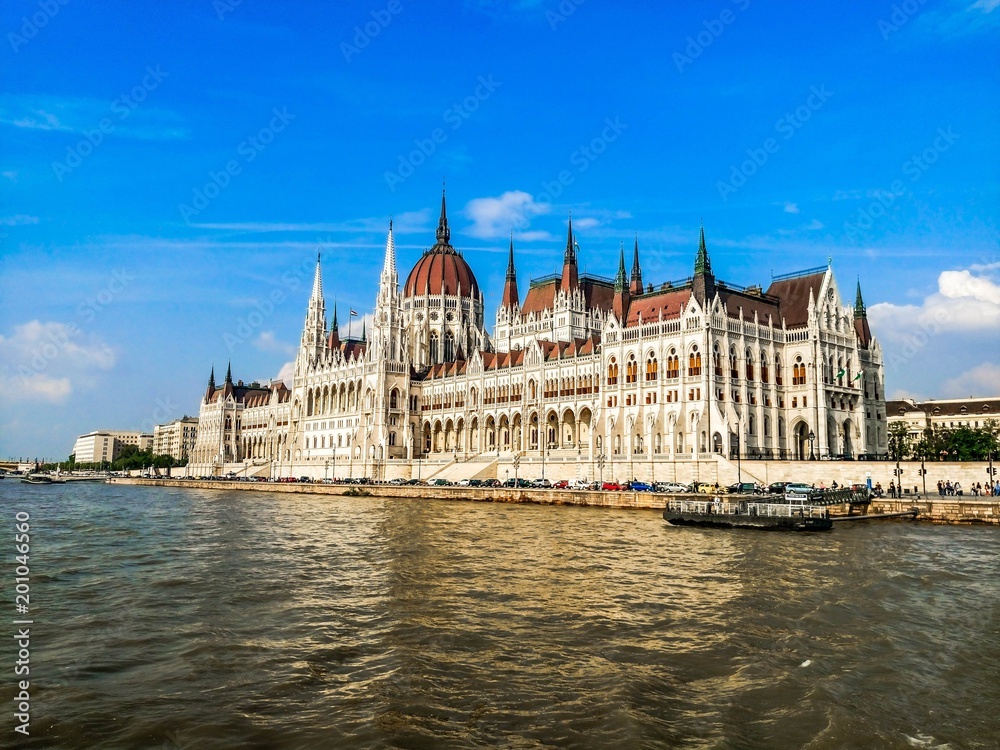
933,508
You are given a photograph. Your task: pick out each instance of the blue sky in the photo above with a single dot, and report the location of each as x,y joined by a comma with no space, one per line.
168,172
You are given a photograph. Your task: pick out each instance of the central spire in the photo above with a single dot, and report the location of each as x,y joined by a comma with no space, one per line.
389,267
621,300
443,234
701,263
860,311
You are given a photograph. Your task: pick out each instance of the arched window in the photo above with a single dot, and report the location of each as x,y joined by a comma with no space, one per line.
717,360
612,372
652,367
393,399
764,375
631,370
749,365
734,371
778,380
435,347
694,362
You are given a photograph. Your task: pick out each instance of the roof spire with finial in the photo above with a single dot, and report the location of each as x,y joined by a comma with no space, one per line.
510,297
635,283
860,311
211,378
389,267
570,273
620,278
702,264
619,305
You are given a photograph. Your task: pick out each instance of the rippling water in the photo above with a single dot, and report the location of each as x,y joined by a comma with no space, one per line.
169,618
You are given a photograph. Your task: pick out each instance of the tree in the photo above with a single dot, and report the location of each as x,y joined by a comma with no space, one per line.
899,440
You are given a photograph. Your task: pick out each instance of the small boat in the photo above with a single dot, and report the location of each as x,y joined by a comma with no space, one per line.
773,513
38,479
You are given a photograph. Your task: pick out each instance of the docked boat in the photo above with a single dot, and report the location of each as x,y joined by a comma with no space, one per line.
769,513
38,479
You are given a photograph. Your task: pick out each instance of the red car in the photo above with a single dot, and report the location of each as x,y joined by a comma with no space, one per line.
561,484
611,486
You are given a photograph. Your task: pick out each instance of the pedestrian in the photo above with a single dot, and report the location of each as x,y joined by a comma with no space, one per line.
892,489
940,488
958,488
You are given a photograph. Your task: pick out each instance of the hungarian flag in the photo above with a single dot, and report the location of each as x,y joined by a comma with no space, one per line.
860,373
841,373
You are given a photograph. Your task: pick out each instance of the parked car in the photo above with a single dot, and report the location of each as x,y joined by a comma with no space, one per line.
743,488
492,483
463,482
518,482
561,484
611,487
541,483
670,487
640,487
704,488
777,488
581,484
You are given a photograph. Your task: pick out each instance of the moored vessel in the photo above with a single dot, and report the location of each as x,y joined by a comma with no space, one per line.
765,513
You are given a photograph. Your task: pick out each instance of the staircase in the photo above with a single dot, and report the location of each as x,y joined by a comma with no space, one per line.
474,468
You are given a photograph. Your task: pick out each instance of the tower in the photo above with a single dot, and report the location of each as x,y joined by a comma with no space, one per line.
622,294
570,274
313,342
635,282
703,285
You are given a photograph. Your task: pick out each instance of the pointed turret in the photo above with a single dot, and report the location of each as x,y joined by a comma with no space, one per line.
229,374
622,296
861,320
570,274
211,385
317,290
635,283
333,339
389,275
703,285
510,297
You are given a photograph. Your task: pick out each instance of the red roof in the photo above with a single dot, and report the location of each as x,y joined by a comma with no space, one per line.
793,296
441,270
668,302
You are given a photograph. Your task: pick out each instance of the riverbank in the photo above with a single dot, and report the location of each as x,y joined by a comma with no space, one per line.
931,509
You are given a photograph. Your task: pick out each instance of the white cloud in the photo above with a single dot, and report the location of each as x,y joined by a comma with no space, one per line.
46,361
496,217
18,220
587,222
981,381
791,208
963,302
986,6
10,175
266,342
286,373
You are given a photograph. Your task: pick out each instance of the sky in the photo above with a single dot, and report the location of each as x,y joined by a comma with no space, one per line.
169,171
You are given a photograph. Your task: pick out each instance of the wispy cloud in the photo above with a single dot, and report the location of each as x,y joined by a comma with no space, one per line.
48,113
981,380
18,220
791,208
496,217
267,342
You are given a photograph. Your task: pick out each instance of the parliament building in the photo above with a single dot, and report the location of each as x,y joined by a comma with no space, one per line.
582,376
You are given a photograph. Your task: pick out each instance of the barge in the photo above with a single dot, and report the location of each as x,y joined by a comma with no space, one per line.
767,513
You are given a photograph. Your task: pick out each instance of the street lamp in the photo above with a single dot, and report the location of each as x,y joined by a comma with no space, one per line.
517,463
812,437
601,458
326,469
739,468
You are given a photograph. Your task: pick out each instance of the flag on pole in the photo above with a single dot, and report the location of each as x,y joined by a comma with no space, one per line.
860,373
841,373
354,313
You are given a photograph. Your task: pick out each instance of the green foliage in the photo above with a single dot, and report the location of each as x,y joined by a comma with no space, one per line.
899,442
959,443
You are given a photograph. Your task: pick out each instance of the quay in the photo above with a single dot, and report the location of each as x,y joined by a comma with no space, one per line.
934,509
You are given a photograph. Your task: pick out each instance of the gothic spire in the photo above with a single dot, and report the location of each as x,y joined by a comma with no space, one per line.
229,373
317,290
620,278
570,273
635,285
860,311
510,297
702,264
443,234
333,338
389,267
211,379
622,296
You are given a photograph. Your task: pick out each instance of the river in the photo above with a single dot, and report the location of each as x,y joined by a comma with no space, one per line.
177,618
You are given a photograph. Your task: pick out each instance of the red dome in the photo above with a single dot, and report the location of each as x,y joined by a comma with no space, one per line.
441,271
